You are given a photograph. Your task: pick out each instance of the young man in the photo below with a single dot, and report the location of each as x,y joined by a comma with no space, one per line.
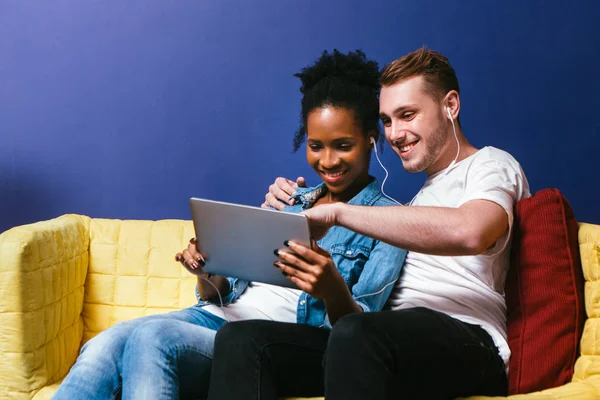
445,333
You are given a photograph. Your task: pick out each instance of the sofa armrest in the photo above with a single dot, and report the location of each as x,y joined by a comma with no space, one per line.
588,389
586,380
42,271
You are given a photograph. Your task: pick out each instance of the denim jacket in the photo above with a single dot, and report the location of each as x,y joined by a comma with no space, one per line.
369,267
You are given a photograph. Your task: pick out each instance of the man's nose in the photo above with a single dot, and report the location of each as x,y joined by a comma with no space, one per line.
396,132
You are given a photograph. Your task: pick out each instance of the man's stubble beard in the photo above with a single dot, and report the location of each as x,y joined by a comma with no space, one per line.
435,144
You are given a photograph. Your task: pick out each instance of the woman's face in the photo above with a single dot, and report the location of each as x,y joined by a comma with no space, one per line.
337,148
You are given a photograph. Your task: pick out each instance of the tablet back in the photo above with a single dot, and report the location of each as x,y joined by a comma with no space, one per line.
239,240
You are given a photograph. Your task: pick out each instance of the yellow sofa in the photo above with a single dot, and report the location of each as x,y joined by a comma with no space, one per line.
64,280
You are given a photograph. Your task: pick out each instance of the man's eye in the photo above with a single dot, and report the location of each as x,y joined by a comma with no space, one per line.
408,115
386,122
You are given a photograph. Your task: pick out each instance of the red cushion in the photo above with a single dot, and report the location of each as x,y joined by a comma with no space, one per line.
544,294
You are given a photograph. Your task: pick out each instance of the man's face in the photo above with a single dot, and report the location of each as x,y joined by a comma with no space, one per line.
415,125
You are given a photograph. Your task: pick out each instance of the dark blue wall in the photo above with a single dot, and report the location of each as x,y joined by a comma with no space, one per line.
126,109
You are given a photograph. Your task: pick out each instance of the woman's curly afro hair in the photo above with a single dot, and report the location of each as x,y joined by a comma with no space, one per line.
348,81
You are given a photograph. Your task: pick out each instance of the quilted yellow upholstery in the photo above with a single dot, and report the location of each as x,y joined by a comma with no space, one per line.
42,272
133,273
62,281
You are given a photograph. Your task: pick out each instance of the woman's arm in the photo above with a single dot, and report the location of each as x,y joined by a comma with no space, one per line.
208,292
378,276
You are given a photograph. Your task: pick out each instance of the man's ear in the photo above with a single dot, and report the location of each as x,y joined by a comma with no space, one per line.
451,102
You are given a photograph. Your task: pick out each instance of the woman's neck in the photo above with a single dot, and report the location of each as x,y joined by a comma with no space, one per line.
347,194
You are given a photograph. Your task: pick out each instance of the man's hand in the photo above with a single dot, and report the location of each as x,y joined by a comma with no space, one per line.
321,219
280,192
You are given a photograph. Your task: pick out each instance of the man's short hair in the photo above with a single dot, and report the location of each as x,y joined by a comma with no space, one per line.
435,68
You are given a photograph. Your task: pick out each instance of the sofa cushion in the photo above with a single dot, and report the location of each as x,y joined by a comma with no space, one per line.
544,294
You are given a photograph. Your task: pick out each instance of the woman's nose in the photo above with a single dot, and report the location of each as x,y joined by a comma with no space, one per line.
330,159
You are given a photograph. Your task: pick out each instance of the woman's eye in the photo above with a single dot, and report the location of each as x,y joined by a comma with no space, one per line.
314,147
345,147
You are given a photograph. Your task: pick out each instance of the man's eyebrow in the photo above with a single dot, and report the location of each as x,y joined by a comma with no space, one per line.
404,108
399,110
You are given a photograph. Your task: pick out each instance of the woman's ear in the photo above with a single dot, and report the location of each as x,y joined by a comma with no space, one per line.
373,138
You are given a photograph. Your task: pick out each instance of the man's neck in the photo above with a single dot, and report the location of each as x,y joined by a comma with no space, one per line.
449,155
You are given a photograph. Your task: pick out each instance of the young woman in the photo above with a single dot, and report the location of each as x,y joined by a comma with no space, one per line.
170,355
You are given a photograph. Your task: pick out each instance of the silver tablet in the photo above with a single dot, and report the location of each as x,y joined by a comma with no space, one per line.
238,240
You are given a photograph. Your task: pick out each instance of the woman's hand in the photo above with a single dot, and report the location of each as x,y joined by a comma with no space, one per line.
191,259
280,192
194,261
312,270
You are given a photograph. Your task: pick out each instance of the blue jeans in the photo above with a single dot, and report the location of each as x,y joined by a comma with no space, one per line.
156,357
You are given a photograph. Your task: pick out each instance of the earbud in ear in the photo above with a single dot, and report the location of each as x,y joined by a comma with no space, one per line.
449,113
373,144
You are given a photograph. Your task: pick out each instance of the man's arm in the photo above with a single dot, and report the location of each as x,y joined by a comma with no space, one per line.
468,230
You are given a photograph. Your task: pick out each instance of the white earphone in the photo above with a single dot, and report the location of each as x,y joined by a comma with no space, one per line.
449,167
374,143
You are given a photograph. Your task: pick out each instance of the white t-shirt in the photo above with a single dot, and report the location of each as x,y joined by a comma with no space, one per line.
468,288
260,301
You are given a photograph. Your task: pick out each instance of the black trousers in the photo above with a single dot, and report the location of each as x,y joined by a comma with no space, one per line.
407,354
